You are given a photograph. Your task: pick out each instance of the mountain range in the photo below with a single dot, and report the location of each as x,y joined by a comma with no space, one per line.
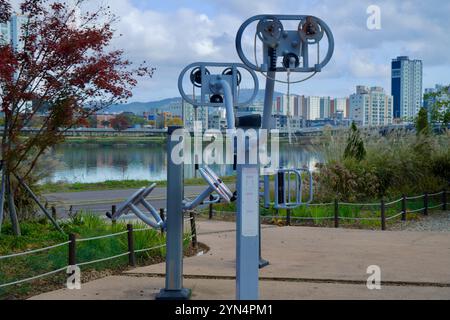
141,107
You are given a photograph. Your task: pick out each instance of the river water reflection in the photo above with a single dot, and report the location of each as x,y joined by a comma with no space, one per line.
90,163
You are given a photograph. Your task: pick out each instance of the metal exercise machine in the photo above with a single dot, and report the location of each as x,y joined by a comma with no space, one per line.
283,51
219,89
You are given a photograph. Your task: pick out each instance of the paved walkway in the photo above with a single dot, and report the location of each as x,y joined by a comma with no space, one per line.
306,263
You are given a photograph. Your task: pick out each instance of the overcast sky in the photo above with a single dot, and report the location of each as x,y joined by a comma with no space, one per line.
170,34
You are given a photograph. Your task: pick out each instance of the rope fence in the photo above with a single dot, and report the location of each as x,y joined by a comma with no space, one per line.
34,251
386,209
131,252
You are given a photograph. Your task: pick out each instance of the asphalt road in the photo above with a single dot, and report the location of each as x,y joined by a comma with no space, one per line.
101,201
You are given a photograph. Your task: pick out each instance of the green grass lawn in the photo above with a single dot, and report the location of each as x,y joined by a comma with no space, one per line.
39,234
115,185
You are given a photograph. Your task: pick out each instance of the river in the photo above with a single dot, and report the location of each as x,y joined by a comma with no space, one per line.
95,163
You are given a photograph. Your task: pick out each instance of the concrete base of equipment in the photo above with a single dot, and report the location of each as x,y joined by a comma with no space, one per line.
168,295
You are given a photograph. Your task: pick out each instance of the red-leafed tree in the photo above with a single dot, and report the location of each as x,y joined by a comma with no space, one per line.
63,69
121,122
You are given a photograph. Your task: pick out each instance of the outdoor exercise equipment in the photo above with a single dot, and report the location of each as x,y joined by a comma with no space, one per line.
139,198
283,51
217,89
216,191
289,189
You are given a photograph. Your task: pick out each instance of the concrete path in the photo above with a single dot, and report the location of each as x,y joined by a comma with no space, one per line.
320,253
306,263
136,288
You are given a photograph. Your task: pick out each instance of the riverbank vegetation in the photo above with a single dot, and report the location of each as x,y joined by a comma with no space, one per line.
116,185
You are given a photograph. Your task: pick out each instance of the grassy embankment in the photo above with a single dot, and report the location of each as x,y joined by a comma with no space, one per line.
115,185
114,140
39,234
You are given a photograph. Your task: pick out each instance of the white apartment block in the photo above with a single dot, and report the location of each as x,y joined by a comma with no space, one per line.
407,87
313,108
340,106
371,106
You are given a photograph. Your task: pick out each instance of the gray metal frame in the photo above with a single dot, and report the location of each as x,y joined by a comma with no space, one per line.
209,84
138,198
285,44
174,225
288,202
280,43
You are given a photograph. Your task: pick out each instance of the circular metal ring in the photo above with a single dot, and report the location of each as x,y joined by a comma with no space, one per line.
270,30
310,30
196,76
229,72
287,60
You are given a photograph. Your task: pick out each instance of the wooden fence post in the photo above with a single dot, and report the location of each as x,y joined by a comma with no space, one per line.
131,255
72,250
211,198
383,215
193,230
404,207
425,204
54,215
336,213
444,200
288,217
113,212
163,218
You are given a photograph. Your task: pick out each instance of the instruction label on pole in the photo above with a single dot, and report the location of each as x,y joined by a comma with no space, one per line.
250,202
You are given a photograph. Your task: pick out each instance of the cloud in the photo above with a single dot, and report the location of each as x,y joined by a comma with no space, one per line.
188,31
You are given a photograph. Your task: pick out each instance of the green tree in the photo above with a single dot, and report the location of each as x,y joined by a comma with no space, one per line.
355,145
136,120
422,125
106,123
439,105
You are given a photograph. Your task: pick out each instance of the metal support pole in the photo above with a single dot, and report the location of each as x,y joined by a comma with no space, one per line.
248,230
132,255
175,220
262,262
266,125
288,217
193,230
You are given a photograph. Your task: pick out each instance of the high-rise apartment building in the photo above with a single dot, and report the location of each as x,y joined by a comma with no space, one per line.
11,31
341,108
371,106
313,108
325,107
407,87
